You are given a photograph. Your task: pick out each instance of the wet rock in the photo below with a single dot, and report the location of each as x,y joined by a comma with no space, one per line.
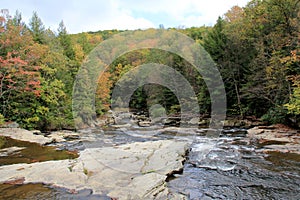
144,123
131,171
235,132
72,137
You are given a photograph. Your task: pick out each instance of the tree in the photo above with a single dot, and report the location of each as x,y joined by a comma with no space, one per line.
37,28
273,27
227,48
294,104
103,93
65,41
30,90
17,20
20,78
17,77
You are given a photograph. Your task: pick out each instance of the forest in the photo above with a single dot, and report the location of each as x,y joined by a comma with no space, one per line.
256,49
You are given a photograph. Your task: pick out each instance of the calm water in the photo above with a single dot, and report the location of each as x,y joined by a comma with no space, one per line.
14,151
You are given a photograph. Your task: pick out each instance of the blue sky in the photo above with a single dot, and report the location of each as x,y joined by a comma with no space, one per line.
93,15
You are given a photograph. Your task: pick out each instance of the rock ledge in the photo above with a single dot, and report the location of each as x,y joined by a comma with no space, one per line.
131,171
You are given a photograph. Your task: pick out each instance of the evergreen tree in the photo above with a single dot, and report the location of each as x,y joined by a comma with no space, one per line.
65,41
37,28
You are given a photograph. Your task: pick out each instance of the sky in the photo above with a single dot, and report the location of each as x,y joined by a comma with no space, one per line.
93,15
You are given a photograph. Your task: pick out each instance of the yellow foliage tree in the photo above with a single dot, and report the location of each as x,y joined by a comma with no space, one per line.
103,93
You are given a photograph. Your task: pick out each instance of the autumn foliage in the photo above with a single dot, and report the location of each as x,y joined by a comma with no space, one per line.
256,49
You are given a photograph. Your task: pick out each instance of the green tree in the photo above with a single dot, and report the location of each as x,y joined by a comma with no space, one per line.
273,27
17,19
232,54
294,104
65,41
37,28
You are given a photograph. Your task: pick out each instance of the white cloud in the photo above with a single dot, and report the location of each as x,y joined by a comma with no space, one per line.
185,12
92,15
99,16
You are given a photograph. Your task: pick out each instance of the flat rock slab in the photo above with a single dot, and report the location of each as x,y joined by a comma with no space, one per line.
36,136
24,135
131,171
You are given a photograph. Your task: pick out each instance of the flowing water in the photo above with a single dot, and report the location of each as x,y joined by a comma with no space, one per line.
227,167
232,170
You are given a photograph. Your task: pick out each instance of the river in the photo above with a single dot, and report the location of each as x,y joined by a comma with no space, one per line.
227,167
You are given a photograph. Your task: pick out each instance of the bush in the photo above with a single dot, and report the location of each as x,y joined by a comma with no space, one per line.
275,115
174,109
157,111
2,119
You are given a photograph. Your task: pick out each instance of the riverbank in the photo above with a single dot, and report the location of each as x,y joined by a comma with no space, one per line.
278,138
144,120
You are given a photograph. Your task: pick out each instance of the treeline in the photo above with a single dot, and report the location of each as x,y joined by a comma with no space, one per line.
256,49
37,71
257,52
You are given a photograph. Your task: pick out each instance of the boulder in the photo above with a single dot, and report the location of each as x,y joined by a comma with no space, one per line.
194,121
62,136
